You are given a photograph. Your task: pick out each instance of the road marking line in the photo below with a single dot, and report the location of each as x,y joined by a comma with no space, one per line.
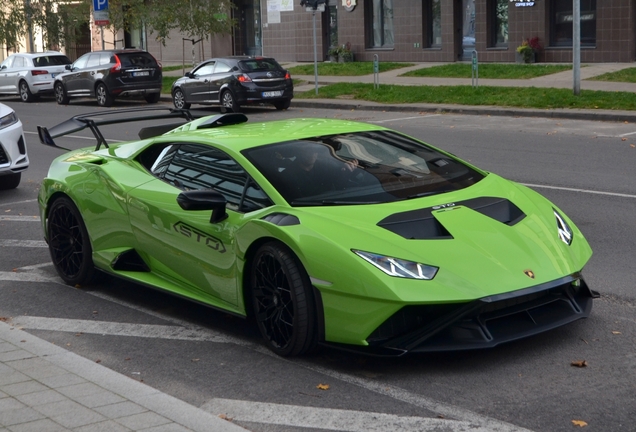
17,202
78,137
580,190
19,276
23,243
20,218
152,331
329,418
627,134
404,118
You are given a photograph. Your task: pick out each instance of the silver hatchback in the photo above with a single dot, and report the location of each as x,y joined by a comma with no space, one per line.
31,74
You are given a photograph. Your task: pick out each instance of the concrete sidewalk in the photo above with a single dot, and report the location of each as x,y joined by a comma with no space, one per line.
563,80
45,388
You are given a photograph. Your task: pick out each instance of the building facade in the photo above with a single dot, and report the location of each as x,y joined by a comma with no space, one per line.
450,30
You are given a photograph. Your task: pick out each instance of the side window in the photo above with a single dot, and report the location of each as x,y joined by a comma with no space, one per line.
194,166
8,62
104,59
221,68
80,62
206,69
19,62
93,60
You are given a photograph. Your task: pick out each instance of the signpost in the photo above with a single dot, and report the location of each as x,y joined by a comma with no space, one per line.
100,15
313,6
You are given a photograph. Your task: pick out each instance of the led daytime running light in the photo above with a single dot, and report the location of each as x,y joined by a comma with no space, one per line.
563,229
399,267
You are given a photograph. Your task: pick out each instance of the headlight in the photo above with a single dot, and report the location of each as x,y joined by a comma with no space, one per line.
8,120
564,230
399,267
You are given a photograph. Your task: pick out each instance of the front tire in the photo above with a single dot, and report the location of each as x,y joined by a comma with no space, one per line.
283,301
10,181
282,105
60,94
104,98
178,99
69,244
152,98
25,92
229,102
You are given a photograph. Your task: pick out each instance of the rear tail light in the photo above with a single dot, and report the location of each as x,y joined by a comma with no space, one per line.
244,78
287,75
117,66
39,72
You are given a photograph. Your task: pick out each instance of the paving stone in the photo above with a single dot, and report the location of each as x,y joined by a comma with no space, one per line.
118,410
102,398
171,427
59,381
77,418
10,404
44,425
59,408
107,426
80,390
18,354
17,416
143,420
12,378
23,388
41,398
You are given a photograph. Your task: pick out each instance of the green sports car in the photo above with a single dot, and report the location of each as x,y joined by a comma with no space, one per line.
324,231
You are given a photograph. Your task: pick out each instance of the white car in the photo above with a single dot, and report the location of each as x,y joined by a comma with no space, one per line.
13,151
31,74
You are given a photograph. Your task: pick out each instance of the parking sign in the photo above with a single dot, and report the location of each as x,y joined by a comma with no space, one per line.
100,5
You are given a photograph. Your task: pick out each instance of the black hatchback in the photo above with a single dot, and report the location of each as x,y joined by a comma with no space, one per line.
235,81
111,74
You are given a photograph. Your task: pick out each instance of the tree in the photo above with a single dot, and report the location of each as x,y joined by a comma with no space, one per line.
58,21
12,23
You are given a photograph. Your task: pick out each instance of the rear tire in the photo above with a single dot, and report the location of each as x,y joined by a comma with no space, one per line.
103,96
229,102
10,181
282,105
283,301
69,244
178,99
152,98
25,92
60,94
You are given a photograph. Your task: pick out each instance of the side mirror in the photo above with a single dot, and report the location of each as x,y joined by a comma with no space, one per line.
189,75
204,199
68,67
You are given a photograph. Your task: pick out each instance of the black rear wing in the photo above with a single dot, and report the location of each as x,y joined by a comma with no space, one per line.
96,119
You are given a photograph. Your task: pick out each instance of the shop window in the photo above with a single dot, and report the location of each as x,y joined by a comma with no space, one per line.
561,23
432,23
498,10
379,23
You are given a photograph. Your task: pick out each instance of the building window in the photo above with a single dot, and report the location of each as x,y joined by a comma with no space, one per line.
432,23
379,21
499,22
561,23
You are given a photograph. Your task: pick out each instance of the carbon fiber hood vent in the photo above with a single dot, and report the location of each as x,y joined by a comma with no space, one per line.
422,225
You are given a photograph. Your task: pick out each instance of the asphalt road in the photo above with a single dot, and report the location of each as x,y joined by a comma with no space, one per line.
217,362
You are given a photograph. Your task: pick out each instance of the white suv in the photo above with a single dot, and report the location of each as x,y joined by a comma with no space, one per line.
13,152
31,74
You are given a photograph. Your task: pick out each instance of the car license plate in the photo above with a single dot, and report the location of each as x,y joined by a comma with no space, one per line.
272,93
141,73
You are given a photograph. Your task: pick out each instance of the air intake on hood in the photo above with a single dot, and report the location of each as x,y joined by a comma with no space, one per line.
422,225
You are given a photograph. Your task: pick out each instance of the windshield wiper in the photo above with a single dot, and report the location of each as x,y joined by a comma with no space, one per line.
423,194
331,202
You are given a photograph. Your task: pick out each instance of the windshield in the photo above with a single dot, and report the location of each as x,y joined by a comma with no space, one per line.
259,64
359,168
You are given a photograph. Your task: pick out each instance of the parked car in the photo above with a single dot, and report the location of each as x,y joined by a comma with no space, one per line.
13,151
31,74
235,81
111,74
325,231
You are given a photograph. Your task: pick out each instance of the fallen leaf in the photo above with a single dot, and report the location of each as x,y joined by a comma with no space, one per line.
322,386
98,361
7,211
579,363
632,145
195,360
616,332
623,139
22,340
579,423
224,417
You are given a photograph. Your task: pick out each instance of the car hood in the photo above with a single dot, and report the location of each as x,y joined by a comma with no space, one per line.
480,243
5,110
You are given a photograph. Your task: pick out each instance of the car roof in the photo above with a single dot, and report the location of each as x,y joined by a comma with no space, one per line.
236,138
38,54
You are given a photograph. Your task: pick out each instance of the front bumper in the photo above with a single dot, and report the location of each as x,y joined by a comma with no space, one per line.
482,323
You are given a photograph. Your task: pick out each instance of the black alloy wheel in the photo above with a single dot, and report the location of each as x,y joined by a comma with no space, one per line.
283,301
103,96
10,181
60,94
69,243
178,99
229,102
25,92
282,105
152,98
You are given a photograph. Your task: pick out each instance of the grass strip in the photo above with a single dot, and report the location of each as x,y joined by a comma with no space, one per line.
345,69
489,71
530,97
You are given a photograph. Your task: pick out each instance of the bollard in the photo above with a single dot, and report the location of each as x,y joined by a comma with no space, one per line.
475,70
376,72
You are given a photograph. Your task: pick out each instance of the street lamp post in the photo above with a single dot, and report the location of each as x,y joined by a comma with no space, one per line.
576,45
